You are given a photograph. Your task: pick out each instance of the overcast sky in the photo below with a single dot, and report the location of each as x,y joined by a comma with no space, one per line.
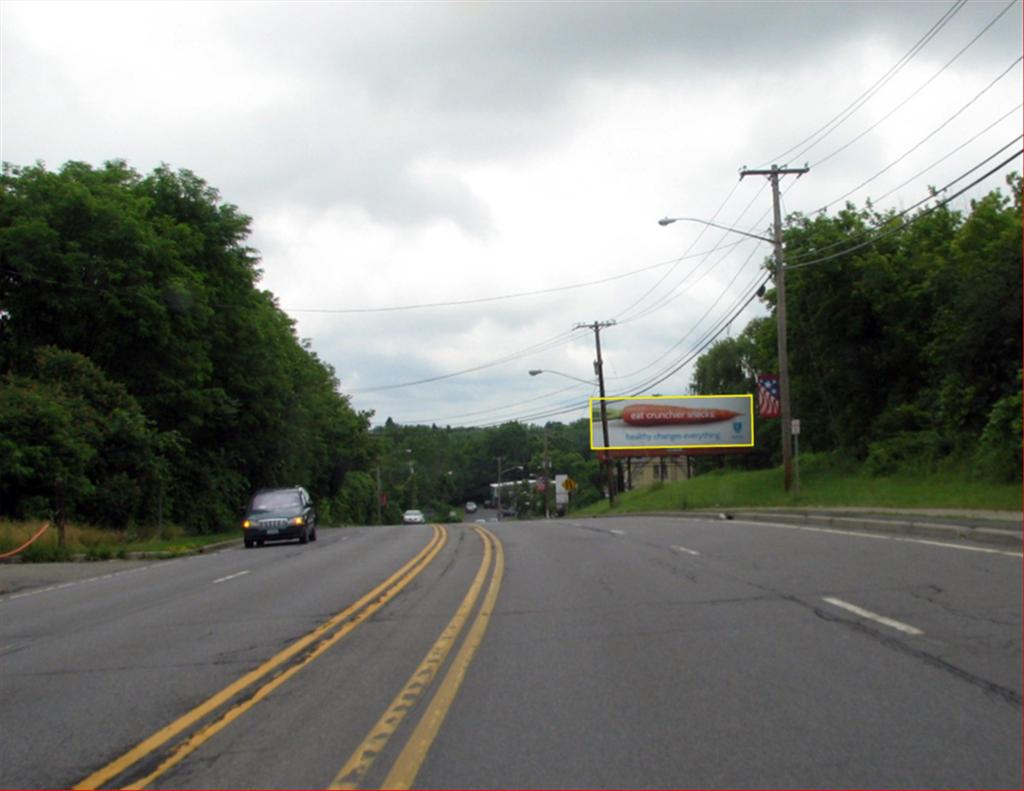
402,154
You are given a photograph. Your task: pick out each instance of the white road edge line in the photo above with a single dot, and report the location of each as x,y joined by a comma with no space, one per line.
618,532
687,551
881,536
965,548
231,577
873,616
87,580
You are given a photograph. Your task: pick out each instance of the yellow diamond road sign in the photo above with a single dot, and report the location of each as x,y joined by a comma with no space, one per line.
569,484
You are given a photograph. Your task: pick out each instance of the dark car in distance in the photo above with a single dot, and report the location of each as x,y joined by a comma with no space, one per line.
279,515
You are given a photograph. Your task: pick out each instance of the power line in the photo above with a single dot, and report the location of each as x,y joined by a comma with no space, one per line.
918,90
959,148
909,222
859,102
928,197
673,292
927,137
551,343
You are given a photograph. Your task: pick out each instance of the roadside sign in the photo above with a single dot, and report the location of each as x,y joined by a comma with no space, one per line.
569,484
561,494
796,427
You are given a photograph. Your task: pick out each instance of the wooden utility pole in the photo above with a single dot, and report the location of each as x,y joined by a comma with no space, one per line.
497,494
599,370
780,310
547,476
380,515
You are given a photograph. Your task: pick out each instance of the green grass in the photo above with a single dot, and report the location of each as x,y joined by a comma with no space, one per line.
821,487
99,544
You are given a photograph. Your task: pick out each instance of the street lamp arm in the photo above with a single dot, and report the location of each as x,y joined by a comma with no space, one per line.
537,371
669,220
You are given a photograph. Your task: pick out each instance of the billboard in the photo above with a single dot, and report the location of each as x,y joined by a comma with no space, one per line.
645,422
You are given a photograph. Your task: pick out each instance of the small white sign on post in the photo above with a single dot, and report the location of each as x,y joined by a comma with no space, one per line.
796,427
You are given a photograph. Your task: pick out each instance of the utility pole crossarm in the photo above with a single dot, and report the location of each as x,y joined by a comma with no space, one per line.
775,170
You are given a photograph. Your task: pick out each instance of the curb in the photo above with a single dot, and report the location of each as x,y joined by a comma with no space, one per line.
195,551
981,535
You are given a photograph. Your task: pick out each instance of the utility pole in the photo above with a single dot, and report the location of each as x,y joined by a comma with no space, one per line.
547,476
780,310
599,370
380,515
497,494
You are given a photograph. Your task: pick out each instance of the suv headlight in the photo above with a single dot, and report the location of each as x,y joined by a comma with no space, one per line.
298,520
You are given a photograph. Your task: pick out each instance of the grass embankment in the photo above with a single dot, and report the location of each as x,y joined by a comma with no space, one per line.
96,544
821,486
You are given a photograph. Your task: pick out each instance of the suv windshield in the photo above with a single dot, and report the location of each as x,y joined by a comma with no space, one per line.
273,501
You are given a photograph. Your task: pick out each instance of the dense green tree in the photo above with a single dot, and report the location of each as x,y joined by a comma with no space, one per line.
151,279
903,351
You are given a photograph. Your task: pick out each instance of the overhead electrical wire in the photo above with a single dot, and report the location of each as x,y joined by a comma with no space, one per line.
515,295
926,138
907,223
502,408
956,150
621,318
857,103
696,324
664,299
929,197
916,91
550,343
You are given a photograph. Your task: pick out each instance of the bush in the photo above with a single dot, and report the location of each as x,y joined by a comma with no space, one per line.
998,456
918,452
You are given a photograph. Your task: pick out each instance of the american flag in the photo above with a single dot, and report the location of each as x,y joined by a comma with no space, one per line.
768,395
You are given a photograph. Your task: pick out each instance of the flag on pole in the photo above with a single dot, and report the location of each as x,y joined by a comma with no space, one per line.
768,395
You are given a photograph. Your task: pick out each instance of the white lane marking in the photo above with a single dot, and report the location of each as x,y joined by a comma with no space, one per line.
618,532
873,616
958,546
833,530
687,551
75,583
231,577
879,536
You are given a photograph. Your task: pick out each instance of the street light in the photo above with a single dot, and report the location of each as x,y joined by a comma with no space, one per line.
537,371
669,220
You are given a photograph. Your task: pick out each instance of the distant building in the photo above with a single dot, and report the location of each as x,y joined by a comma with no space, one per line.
642,472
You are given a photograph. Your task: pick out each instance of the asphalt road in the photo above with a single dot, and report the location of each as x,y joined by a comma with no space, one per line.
623,652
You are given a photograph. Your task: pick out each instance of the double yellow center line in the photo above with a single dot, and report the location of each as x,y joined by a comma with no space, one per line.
405,768
220,710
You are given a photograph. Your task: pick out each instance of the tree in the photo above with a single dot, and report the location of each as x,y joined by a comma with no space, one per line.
150,278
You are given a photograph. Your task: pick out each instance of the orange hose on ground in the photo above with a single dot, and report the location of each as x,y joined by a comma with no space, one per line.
28,543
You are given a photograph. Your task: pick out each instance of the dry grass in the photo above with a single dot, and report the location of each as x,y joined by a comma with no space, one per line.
92,542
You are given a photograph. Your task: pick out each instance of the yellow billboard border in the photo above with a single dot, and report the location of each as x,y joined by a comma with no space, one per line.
750,404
